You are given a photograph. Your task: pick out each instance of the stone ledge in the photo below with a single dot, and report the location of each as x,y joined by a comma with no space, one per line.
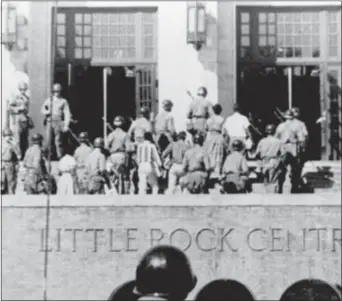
252,200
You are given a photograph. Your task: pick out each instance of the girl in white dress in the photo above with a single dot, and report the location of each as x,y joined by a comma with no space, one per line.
67,172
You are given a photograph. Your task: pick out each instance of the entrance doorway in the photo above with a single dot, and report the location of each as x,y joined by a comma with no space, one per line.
263,93
88,92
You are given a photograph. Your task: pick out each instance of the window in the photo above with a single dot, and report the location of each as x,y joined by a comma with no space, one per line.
245,39
298,34
334,18
148,34
267,34
114,35
83,36
61,36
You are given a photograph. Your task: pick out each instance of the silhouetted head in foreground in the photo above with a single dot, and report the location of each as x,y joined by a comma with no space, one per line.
224,290
164,273
124,292
311,290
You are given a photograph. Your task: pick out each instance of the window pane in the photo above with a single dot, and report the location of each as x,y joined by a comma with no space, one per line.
315,17
60,18
271,29
271,41
306,40
307,52
262,18
87,42
332,28
297,40
78,18
245,41
113,18
61,30
262,29
244,29
297,28
280,28
78,53
333,40
78,42
288,40
130,52
297,17
130,41
97,29
61,53
87,30
87,53
315,40
271,17
148,29
78,30
288,28
262,41
244,17
87,18
104,52
333,51
148,40
61,41
148,52
130,29
315,52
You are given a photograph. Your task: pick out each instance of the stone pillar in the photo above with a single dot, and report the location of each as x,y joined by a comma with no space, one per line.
227,80
39,59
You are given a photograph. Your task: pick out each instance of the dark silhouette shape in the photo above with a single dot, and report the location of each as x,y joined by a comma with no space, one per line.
224,290
124,292
310,290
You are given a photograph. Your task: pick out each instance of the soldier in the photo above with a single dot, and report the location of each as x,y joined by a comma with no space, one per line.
35,181
200,110
235,170
117,162
301,124
67,172
196,166
292,138
96,169
20,122
140,126
57,119
164,273
177,151
164,126
215,145
189,133
270,151
237,126
9,163
149,165
81,156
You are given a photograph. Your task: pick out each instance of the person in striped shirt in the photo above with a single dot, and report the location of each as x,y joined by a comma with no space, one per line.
149,164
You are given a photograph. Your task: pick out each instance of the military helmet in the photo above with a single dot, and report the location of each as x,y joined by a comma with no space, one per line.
118,121
164,271
296,112
237,145
22,85
202,91
98,142
198,139
83,136
289,114
167,103
37,138
181,135
270,129
7,132
144,111
57,87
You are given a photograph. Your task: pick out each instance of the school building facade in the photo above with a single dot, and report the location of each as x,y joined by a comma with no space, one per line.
144,48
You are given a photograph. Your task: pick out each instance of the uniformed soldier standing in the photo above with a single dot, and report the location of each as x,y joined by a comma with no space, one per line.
164,273
196,166
292,137
81,156
20,122
177,151
117,162
96,169
200,110
235,170
164,126
57,119
9,163
36,177
271,153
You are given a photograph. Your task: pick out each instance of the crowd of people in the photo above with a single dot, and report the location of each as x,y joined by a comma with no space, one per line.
165,273
150,157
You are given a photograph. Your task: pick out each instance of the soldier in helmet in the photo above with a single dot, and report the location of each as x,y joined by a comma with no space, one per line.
140,126
117,162
81,156
200,110
9,163
292,138
235,170
196,167
57,119
20,122
36,173
270,152
164,273
96,169
164,126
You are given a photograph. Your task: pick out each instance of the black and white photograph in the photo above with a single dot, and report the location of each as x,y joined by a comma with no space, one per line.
171,150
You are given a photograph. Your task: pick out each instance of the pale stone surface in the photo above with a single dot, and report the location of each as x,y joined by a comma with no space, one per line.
270,247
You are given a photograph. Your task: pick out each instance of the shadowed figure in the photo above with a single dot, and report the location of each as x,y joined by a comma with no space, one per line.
224,290
124,292
310,290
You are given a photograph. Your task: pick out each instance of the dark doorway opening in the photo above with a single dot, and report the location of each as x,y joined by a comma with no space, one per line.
87,97
263,93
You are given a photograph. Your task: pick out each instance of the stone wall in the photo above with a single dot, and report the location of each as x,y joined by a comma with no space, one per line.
267,242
